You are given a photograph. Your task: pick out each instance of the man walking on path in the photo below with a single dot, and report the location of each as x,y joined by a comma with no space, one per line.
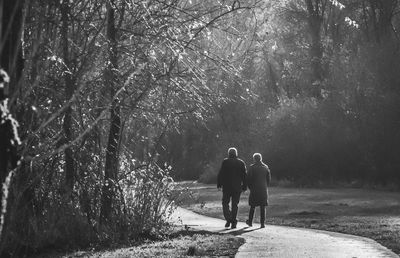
232,179
258,179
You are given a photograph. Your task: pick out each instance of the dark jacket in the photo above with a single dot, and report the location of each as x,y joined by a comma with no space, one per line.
232,175
258,179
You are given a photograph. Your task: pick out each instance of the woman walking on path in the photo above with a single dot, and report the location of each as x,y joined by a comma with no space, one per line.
258,179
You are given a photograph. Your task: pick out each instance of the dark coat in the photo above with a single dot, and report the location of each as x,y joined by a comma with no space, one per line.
232,175
258,179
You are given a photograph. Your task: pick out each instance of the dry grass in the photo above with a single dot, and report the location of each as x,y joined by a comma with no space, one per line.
369,213
184,243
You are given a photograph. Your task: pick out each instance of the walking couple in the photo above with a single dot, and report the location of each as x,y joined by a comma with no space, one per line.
233,179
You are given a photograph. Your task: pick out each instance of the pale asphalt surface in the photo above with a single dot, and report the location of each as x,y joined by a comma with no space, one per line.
282,242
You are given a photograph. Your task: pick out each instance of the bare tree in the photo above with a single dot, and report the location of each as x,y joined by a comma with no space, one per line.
69,91
111,82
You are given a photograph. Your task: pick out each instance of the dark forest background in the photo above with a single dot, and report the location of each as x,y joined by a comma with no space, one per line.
115,99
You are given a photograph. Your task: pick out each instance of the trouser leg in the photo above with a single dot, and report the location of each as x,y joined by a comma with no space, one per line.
262,214
251,214
225,206
235,202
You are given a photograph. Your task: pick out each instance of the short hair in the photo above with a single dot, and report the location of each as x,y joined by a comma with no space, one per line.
257,157
232,152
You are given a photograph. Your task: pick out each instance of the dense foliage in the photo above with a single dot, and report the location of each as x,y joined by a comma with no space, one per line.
319,98
96,86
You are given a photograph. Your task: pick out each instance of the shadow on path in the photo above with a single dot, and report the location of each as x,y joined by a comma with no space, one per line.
237,231
243,231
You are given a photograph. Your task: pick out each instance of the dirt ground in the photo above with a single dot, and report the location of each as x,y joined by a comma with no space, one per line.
369,213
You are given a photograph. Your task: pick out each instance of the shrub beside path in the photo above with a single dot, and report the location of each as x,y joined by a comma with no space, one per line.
282,242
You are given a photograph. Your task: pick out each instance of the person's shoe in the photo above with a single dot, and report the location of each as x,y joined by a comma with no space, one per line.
227,224
249,223
262,225
233,224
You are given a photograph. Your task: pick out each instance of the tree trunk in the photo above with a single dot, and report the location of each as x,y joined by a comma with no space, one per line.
11,19
112,153
12,62
316,50
11,26
69,91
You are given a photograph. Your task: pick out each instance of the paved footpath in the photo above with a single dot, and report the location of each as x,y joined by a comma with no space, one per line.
282,242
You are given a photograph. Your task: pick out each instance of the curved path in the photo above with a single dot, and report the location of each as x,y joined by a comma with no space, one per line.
280,241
